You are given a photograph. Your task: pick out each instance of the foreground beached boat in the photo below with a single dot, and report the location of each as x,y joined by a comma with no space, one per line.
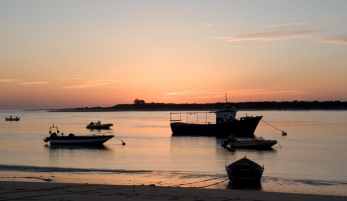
259,143
12,118
244,169
225,125
98,125
56,139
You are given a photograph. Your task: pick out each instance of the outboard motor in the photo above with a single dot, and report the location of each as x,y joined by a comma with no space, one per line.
53,135
46,139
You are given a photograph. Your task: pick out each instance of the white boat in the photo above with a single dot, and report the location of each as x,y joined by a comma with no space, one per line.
56,138
12,118
260,143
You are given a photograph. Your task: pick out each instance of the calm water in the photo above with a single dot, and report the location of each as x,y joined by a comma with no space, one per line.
313,152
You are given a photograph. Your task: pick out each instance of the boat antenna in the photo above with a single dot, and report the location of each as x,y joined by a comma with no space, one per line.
283,132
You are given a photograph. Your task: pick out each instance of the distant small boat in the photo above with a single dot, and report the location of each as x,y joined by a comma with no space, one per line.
244,169
98,125
12,118
259,143
56,138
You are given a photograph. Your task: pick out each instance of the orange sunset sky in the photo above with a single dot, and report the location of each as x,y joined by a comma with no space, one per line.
82,53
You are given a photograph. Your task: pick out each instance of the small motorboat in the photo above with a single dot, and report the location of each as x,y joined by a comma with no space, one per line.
98,125
12,118
259,143
244,170
56,138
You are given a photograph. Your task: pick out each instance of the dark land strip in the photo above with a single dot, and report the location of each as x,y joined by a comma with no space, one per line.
266,105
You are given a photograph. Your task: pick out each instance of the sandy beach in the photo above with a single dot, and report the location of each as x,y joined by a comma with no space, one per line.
71,186
66,191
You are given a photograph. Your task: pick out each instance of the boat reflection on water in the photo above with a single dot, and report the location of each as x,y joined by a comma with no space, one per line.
78,147
75,155
245,185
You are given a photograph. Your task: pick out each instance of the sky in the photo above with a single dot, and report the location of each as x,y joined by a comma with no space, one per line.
82,53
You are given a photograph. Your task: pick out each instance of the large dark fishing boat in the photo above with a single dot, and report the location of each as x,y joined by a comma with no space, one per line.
225,125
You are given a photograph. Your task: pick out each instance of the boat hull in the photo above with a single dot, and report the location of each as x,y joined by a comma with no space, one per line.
244,169
12,119
251,144
80,140
240,128
236,174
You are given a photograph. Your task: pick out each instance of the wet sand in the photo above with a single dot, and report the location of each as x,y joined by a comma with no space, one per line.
14,190
86,186
165,180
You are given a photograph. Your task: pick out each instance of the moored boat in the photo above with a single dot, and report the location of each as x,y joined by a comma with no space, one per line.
226,124
259,143
98,125
56,138
244,169
12,118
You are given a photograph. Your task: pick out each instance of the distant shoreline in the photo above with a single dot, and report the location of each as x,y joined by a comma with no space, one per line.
241,106
167,110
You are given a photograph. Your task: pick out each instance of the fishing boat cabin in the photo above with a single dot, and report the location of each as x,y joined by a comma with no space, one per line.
226,116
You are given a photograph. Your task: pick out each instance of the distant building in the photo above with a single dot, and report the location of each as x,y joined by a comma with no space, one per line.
139,102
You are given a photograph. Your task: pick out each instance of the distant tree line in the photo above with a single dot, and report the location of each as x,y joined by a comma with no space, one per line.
265,105
139,102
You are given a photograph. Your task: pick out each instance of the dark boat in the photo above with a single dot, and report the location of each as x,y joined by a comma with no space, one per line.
225,125
56,138
244,170
98,125
259,143
12,118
